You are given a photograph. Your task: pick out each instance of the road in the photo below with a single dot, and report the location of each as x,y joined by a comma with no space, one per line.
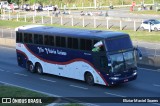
146,85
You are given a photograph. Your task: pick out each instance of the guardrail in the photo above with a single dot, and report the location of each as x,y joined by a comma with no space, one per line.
83,21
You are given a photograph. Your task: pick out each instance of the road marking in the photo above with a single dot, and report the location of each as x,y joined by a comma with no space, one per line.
78,87
47,80
21,74
49,94
150,69
156,104
2,70
114,94
156,85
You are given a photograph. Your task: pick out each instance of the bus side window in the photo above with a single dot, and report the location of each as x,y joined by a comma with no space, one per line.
63,42
75,43
35,38
88,45
69,42
25,37
20,37
17,36
30,39
46,40
51,40
40,39
82,44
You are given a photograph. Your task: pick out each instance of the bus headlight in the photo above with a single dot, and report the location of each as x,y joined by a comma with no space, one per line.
114,78
134,72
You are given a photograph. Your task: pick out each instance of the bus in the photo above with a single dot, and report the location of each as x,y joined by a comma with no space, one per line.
94,56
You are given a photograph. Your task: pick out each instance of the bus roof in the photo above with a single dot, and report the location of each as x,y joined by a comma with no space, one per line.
70,32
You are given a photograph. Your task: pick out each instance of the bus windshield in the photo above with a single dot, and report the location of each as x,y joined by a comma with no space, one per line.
120,43
122,61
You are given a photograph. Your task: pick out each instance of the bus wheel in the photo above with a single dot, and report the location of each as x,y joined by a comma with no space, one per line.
89,78
39,68
30,67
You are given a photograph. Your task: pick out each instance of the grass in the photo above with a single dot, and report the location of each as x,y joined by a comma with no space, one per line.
10,91
135,35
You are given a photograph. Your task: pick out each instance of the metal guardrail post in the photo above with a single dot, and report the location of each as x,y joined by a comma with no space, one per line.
42,20
95,22
17,17
72,21
120,24
61,20
25,20
33,19
83,22
134,25
107,21
51,19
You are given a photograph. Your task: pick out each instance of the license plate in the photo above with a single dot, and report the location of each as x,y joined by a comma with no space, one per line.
125,80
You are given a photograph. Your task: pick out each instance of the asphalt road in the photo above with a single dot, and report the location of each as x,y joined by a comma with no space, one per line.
146,85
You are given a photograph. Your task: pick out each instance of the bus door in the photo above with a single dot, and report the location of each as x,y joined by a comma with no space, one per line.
100,61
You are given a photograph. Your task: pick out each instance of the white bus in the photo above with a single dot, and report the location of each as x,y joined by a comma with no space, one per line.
95,56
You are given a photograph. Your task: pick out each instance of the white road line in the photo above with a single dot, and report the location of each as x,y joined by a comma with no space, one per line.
21,74
156,85
156,104
150,69
47,80
2,70
115,94
78,87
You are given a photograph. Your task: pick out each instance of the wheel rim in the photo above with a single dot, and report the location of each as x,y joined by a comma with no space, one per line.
31,67
155,29
89,79
39,69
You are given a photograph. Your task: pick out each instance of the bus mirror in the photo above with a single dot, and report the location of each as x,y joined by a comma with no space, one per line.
109,63
139,53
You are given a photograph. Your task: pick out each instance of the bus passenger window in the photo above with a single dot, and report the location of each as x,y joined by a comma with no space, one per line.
51,40
58,41
40,40
30,40
17,36
25,38
69,42
88,45
82,44
46,40
35,38
63,42
75,43
20,37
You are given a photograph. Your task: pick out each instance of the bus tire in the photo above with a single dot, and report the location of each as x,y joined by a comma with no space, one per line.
89,78
39,68
30,67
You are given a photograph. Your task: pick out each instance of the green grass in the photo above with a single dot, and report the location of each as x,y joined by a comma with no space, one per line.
135,35
9,91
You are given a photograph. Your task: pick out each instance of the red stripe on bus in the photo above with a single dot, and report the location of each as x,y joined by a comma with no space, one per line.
22,53
68,62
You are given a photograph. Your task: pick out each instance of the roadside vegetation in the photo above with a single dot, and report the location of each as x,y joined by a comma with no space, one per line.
135,35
